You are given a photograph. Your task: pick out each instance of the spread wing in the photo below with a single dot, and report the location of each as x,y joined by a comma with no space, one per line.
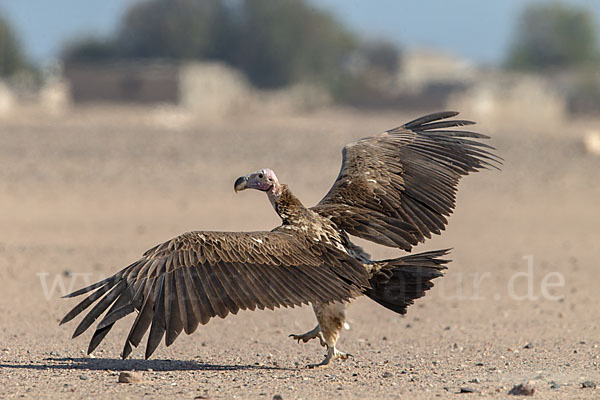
397,188
186,281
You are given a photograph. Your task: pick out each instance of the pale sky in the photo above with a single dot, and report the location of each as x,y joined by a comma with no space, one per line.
479,30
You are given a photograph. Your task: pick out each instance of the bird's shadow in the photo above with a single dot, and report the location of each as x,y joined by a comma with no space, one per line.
101,364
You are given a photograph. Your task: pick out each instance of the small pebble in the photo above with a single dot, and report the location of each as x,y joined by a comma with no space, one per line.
467,390
588,385
277,397
387,374
554,385
83,377
475,380
130,377
522,389
528,346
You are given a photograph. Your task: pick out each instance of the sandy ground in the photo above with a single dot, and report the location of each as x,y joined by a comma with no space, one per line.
83,195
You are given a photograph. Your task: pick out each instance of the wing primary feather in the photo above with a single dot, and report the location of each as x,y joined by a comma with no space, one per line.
429,118
190,322
85,303
247,290
214,297
295,291
282,294
457,133
238,286
267,297
222,297
321,283
143,319
111,280
124,302
202,297
157,330
122,310
229,286
444,124
174,324
254,281
307,284
99,308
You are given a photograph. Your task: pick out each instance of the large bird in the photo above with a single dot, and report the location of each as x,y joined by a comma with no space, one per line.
394,189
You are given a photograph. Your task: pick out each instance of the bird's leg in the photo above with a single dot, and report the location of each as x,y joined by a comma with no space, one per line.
312,334
331,319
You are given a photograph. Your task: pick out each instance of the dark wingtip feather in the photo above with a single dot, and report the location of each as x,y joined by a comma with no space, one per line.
444,124
99,334
158,327
85,303
430,118
100,307
88,288
127,349
115,315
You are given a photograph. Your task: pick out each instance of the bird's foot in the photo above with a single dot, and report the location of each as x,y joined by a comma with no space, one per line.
332,355
313,334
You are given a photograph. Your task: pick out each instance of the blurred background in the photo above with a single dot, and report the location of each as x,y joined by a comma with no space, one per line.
224,57
124,123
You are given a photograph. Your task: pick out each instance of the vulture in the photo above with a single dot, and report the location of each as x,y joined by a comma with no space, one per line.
395,189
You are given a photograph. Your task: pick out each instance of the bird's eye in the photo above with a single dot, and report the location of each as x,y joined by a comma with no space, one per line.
260,176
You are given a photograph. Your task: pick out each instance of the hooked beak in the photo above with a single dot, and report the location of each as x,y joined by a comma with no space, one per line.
240,183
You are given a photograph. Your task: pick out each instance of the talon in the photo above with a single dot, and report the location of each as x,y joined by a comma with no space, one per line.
305,337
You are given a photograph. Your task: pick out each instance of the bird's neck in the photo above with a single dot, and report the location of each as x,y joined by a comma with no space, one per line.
287,206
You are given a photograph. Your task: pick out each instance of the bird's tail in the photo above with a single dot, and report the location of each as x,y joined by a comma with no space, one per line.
396,283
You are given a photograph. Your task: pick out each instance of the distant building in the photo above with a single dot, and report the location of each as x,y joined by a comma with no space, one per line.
421,68
499,97
7,99
207,86
436,80
132,82
427,79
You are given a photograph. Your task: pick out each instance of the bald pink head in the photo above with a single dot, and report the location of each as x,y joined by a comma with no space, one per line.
262,180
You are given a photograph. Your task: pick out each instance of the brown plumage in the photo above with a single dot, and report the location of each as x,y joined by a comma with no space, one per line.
395,189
